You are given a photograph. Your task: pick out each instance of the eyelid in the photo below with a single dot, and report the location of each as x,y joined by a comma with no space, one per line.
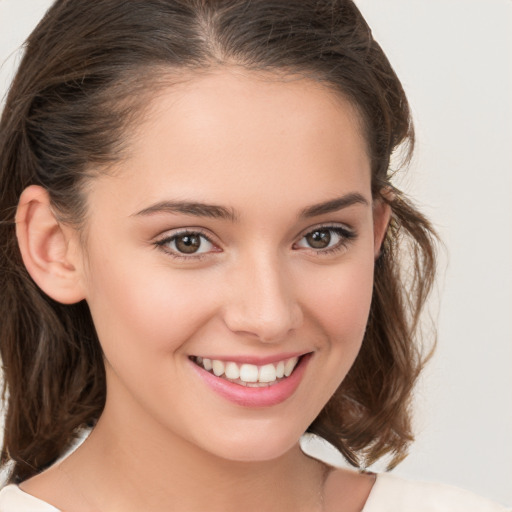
329,225
170,232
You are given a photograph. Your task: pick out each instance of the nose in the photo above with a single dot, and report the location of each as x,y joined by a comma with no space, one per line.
262,303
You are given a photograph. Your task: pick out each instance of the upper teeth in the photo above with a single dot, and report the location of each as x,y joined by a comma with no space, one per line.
249,373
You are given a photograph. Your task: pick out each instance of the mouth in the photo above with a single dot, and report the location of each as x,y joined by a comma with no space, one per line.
249,375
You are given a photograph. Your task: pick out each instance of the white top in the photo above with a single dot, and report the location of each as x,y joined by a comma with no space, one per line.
390,493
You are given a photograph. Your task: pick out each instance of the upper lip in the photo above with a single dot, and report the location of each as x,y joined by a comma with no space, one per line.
256,360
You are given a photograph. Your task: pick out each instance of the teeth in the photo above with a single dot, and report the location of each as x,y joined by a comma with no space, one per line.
232,371
290,365
267,373
218,367
249,374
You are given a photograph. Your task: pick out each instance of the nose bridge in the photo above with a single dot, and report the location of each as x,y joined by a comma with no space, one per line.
262,301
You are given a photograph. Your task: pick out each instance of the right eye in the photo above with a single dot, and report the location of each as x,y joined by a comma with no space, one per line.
187,244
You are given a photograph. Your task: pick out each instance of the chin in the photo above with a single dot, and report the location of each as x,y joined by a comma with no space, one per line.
255,444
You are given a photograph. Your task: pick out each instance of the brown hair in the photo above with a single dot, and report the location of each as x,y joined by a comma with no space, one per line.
86,74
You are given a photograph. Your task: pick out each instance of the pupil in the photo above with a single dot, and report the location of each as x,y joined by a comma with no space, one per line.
319,239
188,243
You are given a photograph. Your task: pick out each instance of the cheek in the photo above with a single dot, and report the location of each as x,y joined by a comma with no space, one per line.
336,305
340,301
145,310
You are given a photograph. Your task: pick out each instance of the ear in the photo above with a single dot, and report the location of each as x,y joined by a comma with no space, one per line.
381,219
50,250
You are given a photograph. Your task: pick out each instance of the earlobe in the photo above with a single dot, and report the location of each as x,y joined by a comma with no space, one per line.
48,248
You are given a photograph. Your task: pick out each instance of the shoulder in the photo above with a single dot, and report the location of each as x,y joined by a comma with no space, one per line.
13,499
391,493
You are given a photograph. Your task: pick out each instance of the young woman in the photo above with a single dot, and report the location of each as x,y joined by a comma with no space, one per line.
203,257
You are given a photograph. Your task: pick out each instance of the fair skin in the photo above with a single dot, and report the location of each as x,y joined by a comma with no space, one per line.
281,269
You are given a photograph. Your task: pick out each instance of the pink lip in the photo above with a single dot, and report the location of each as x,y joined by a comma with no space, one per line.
255,397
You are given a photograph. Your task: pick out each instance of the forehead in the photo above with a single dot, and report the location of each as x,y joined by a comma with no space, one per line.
235,133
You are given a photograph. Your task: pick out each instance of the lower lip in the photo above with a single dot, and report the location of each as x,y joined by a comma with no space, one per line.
255,397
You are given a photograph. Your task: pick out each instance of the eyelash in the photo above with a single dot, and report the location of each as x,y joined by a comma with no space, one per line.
346,237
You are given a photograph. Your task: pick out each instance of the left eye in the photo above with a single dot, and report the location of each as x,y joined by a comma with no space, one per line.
325,238
187,243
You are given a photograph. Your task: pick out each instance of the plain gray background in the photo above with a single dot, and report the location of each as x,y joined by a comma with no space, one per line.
454,58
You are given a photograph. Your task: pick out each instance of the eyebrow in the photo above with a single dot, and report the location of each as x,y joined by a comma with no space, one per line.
333,205
191,208
199,209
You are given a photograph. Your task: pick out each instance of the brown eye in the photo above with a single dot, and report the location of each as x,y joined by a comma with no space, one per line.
326,239
319,239
187,244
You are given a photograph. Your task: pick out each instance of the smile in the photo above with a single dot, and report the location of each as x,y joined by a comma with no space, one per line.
249,375
252,385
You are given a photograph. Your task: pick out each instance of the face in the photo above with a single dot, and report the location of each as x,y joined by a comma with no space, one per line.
228,262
